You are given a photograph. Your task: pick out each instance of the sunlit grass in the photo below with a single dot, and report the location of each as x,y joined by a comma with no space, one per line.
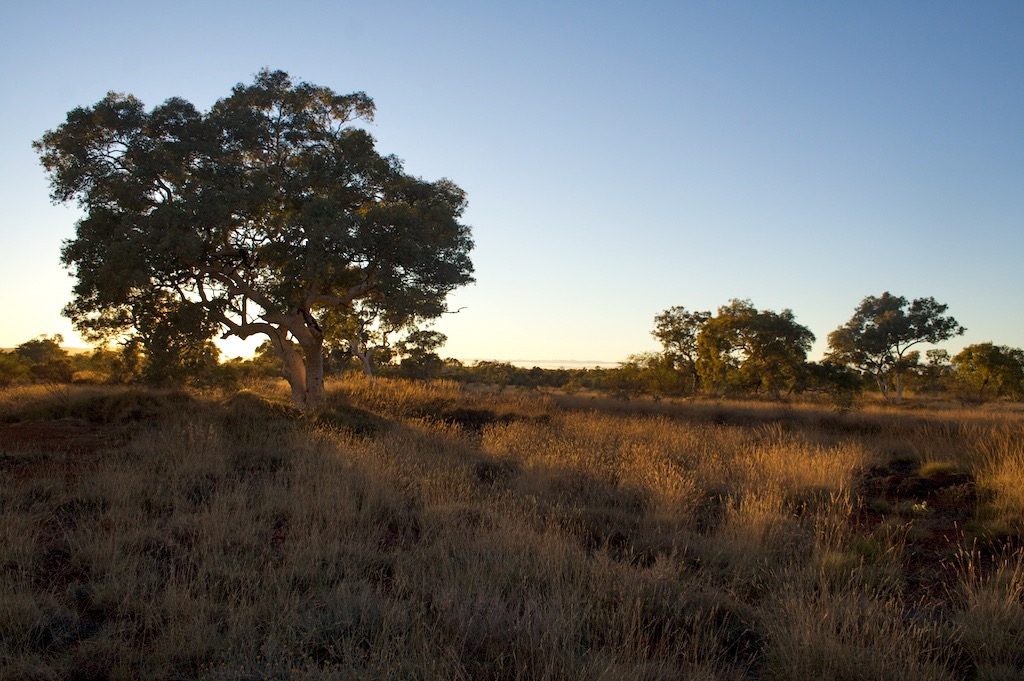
426,530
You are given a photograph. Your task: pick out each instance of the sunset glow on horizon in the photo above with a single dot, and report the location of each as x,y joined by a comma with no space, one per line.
617,161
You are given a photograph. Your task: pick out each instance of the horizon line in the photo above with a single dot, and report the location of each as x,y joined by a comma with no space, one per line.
75,349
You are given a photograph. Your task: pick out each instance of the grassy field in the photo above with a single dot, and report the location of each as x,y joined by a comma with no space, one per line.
427,530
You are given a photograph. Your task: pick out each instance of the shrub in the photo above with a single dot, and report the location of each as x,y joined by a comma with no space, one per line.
12,369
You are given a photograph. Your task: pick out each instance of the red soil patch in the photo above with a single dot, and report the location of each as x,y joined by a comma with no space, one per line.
933,508
70,436
60,449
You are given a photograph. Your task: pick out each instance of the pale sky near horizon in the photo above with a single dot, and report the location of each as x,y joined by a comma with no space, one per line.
619,158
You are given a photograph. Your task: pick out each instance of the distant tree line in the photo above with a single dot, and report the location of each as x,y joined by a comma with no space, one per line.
157,356
272,213
45,360
743,351
739,351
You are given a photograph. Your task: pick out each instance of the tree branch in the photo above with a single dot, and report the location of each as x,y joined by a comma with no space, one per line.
240,288
327,300
246,329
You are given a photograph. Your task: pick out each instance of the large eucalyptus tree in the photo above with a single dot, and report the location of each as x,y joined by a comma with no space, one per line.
269,210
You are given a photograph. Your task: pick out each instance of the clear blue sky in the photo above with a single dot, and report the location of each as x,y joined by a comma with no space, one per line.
619,158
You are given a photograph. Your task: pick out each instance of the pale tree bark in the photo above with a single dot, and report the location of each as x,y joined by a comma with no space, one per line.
303,368
304,371
314,356
883,383
294,369
365,357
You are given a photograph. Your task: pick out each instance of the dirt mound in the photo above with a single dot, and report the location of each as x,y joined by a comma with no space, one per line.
110,407
475,420
72,436
950,490
932,504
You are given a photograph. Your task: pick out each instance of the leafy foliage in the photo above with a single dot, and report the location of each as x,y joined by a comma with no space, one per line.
653,373
878,338
842,384
45,359
743,349
12,369
267,211
983,371
677,329
934,374
419,354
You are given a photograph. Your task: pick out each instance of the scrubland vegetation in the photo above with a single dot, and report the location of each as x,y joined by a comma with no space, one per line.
336,526
443,531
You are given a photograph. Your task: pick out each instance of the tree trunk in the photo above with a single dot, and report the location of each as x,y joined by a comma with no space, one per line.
694,377
295,373
365,358
300,373
314,355
367,364
883,384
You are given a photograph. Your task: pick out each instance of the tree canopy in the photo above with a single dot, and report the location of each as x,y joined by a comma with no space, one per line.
879,336
984,370
43,359
269,211
742,348
677,329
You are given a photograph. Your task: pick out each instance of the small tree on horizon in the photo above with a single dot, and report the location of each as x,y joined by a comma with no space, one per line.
984,371
418,351
46,359
743,349
879,338
677,329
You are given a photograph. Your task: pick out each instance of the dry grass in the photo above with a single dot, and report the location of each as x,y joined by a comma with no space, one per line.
421,530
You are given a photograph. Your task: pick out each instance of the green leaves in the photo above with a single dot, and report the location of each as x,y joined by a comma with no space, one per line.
741,349
746,349
984,370
879,335
676,329
269,209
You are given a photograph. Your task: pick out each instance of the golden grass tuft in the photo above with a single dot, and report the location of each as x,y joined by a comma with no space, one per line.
428,530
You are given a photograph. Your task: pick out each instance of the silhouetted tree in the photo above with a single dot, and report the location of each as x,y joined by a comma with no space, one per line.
419,353
365,332
164,339
269,210
842,384
934,374
878,338
12,369
46,359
